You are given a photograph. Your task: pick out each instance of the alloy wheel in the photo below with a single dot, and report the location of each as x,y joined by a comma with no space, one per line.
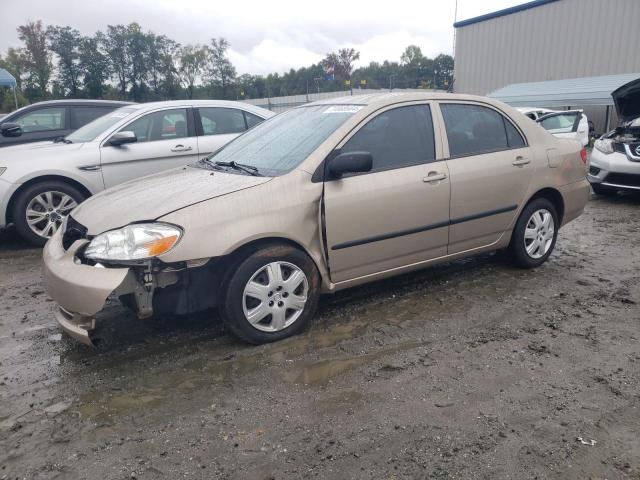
47,210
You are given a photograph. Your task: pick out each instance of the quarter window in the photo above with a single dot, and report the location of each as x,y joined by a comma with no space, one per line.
43,119
163,125
474,129
252,120
219,121
396,138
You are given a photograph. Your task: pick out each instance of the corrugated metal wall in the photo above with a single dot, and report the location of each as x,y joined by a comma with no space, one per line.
565,39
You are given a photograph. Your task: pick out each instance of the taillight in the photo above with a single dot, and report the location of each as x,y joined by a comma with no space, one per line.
583,156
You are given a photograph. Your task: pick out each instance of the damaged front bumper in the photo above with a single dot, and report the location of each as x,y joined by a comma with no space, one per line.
79,290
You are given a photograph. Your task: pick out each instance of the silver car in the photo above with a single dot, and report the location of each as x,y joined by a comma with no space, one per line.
40,183
615,160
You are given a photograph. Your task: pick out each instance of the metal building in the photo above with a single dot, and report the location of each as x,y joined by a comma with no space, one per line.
547,40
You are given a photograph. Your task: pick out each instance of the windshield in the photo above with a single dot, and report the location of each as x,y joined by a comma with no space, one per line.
281,143
91,130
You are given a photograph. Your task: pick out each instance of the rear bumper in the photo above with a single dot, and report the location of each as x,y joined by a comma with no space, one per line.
575,197
79,290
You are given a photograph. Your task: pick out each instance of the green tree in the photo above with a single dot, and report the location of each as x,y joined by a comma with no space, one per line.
37,58
94,65
193,66
14,63
163,71
443,71
221,71
65,43
115,44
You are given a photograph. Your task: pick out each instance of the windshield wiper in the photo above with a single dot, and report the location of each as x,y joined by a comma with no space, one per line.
250,169
61,140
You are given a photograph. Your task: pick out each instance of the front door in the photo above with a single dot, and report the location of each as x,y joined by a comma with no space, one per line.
165,139
490,170
397,214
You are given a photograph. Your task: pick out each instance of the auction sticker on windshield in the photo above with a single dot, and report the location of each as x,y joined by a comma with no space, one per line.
342,109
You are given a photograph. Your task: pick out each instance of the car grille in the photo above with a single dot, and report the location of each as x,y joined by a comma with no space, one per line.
623,179
619,147
75,231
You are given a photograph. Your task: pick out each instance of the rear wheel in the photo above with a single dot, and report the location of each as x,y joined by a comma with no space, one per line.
270,294
40,209
534,236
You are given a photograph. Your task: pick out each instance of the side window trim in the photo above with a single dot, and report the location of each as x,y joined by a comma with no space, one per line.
505,117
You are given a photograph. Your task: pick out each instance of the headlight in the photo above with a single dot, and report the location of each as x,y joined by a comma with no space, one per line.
604,145
134,242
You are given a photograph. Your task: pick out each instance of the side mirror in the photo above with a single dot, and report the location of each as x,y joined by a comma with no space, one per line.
10,129
121,138
350,162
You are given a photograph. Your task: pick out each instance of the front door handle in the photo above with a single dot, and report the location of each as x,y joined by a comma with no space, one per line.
434,177
520,161
181,148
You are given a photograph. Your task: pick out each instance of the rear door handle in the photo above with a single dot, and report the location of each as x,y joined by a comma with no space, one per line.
181,148
434,177
520,161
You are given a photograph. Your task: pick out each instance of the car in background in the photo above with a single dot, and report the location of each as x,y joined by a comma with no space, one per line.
561,123
40,183
50,120
615,160
320,198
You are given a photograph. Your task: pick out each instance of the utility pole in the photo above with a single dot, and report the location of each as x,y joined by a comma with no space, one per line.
317,80
391,77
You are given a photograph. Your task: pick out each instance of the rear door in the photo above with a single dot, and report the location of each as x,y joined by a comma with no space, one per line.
397,214
569,124
165,139
41,124
490,170
217,126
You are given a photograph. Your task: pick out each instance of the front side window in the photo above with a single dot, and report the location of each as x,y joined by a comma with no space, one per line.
163,125
396,138
44,119
474,129
220,121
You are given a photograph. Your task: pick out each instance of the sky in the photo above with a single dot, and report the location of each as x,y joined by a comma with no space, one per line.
266,35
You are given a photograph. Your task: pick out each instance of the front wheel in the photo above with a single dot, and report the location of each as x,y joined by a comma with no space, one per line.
270,294
40,209
534,236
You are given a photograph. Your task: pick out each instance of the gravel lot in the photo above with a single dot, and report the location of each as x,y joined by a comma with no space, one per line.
473,369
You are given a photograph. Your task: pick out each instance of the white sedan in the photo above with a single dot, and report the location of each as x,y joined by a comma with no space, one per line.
40,183
560,123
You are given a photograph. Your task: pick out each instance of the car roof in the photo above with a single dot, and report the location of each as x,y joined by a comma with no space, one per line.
199,103
79,101
389,98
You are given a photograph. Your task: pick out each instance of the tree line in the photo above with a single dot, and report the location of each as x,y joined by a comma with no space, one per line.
126,63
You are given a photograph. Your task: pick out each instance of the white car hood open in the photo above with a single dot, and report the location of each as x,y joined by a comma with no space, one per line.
152,197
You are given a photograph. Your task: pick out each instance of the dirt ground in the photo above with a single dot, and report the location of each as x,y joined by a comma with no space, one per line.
473,369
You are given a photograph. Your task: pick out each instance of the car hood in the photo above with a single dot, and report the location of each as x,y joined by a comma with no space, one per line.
627,101
151,197
37,147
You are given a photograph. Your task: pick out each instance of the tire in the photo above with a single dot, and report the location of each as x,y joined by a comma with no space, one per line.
251,288
536,256
57,191
604,191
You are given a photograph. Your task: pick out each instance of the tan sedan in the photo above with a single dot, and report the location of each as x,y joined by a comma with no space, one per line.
317,199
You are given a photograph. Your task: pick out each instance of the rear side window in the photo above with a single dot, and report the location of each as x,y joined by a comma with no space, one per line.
474,129
220,121
396,138
80,116
252,120
43,119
